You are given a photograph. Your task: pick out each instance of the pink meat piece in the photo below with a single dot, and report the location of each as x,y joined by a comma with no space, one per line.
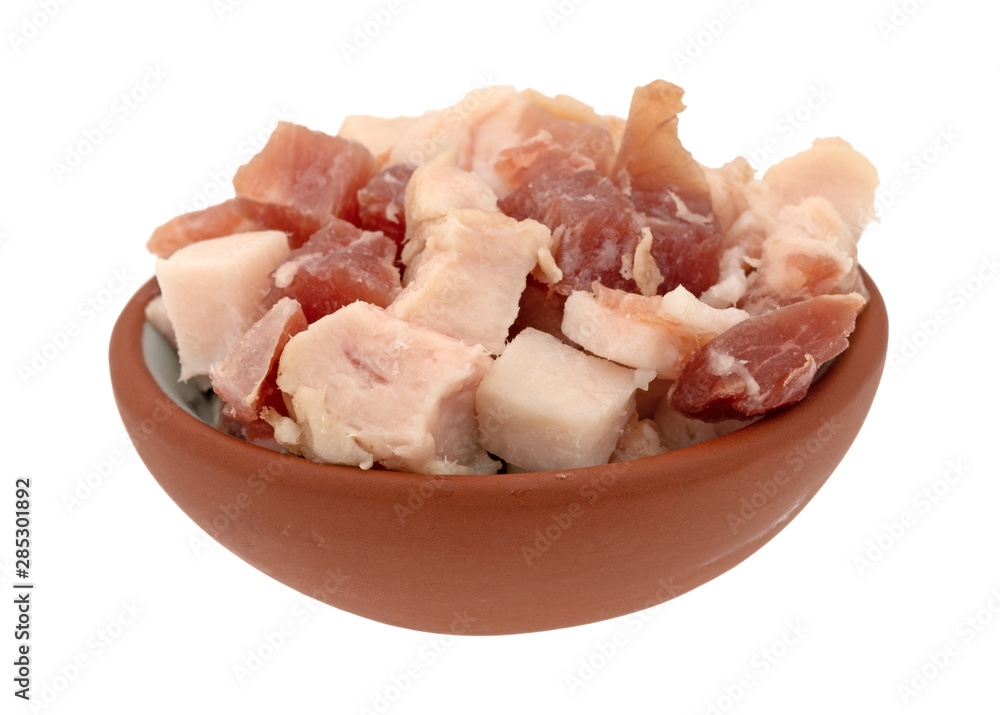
595,224
670,189
338,265
686,253
239,379
833,169
651,157
382,202
301,178
765,362
364,387
214,222
530,117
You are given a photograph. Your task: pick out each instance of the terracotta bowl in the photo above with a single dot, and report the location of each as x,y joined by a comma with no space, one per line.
496,554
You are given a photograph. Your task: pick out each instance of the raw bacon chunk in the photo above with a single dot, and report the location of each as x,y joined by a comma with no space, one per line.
670,189
213,291
214,222
300,179
726,190
377,134
366,387
598,227
470,276
485,122
594,224
810,210
238,378
729,290
686,254
810,252
658,333
436,187
765,362
544,405
562,121
415,139
833,169
382,202
440,185
338,265
652,158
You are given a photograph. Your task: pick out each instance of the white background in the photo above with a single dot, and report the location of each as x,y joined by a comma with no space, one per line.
70,238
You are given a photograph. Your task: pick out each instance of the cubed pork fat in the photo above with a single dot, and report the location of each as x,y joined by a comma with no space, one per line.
213,292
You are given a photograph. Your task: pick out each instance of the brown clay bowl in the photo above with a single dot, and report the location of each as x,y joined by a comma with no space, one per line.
498,554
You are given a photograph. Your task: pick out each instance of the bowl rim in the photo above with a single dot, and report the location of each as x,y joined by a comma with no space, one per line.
864,356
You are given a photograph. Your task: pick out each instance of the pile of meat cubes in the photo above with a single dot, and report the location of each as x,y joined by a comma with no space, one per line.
513,283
